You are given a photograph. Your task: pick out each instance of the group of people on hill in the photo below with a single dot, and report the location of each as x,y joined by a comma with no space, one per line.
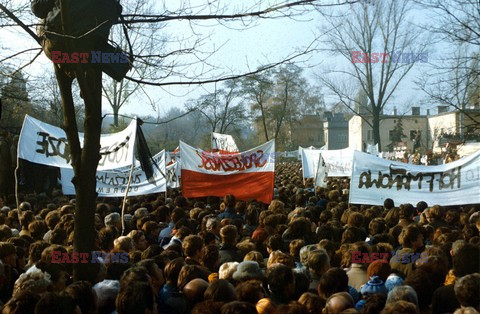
308,251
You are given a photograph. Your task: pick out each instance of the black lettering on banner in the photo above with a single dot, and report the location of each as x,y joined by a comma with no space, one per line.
115,153
470,174
402,178
51,146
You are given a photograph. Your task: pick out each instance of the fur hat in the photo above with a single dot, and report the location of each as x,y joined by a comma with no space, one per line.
247,270
227,269
107,291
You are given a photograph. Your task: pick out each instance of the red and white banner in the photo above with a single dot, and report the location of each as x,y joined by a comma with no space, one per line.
247,175
223,143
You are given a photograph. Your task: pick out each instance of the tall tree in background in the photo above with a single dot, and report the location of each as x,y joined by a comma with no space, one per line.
371,29
454,80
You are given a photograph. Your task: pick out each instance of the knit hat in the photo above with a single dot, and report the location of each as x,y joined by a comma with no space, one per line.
392,281
247,270
374,286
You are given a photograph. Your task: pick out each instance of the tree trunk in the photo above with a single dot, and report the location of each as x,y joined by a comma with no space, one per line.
376,129
264,121
85,187
115,116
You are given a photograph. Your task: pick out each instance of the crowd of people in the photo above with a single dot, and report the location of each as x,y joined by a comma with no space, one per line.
308,251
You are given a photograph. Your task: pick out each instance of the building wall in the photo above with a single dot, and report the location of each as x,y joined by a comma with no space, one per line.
361,134
308,131
442,123
336,134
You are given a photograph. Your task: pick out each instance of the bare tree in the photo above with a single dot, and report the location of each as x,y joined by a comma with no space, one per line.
85,159
371,38
454,80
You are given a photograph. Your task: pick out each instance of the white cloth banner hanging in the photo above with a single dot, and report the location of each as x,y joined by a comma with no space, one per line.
375,179
113,183
223,143
321,174
173,175
338,162
46,144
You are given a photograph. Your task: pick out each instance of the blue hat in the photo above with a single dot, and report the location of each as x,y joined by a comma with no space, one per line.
392,281
374,286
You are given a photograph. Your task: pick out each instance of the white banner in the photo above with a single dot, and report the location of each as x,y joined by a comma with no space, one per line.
46,144
113,183
223,143
321,174
375,179
173,175
338,162
258,159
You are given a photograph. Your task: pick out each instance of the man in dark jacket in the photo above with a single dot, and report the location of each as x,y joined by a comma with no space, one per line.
228,251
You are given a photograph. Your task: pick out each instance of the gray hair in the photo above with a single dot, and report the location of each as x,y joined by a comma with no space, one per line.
403,293
305,251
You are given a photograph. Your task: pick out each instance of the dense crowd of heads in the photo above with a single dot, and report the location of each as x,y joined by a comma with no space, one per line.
308,251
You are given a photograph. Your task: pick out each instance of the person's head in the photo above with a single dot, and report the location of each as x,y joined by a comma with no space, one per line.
124,243
84,296
58,236
172,270
23,302
227,270
467,291
403,293
113,220
436,213
338,303
57,303
139,239
8,254
466,261
380,269
194,290
57,273
332,281
374,303
220,290
35,281
248,270
190,272
388,204
281,281
192,246
411,237
318,262
250,291
228,234
136,298
229,201
377,226
155,273
52,219
239,307
400,307
210,257
312,302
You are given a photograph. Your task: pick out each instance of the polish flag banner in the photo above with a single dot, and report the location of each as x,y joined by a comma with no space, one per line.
247,175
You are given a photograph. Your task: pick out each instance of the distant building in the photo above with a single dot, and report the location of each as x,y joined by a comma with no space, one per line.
308,132
335,130
432,131
415,126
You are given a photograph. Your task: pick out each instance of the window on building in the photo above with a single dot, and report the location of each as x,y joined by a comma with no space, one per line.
369,135
413,134
342,138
